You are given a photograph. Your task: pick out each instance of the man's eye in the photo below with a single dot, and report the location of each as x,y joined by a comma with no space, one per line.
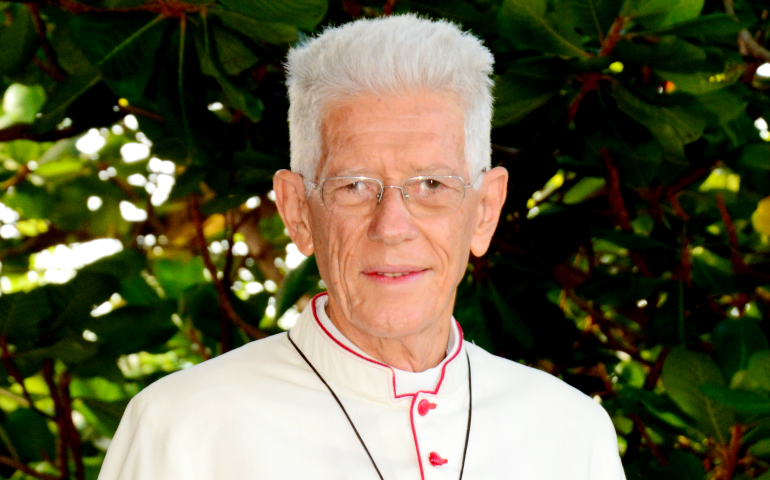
355,186
431,184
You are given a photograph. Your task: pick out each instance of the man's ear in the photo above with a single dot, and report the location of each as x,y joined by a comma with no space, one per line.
492,194
292,205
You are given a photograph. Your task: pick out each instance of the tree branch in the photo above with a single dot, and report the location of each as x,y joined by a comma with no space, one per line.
729,454
61,425
739,267
23,131
613,36
619,208
74,437
747,44
657,368
53,69
10,367
171,8
18,465
225,305
16,179
642,429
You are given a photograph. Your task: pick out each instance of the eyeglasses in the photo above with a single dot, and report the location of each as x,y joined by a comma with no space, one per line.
426,195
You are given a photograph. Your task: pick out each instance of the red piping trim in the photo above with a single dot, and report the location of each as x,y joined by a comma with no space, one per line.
414,434
395,393
413,395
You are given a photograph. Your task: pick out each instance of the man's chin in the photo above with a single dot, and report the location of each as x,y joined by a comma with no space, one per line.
394,318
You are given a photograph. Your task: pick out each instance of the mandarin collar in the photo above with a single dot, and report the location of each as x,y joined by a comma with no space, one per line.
360,375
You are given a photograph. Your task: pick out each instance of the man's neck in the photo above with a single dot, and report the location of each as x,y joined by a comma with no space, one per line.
412,353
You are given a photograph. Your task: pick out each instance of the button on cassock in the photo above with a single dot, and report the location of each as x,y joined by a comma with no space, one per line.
436,460
424,407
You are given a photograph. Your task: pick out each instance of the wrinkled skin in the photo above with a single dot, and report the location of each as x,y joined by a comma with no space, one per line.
392,276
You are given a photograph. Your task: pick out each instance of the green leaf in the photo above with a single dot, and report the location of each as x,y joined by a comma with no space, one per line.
227,201
674,127
234,56
20,104
735,341
64,167
684,372
63,96
21,313
685,466
764,476
74,300
628,240
18,38
70,350
669,53
102,415
707,25
270,32
758,371
30,435
738,400
201,304
714,274
697,83
656,14
725,105
124,264
761,448
524,23
524,87
512,323
305,14
619,290
98,388
592,17
122,46
585,188
212,64
175,276
298,282
135,328
470,314
756,155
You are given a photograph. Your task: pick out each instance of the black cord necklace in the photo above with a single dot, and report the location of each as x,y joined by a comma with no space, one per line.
470,409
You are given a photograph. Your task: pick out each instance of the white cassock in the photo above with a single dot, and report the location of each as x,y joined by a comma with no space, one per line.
259,412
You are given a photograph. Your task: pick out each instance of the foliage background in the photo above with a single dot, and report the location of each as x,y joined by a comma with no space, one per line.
138,139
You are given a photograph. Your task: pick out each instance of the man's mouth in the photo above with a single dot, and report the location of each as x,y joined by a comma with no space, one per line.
393,275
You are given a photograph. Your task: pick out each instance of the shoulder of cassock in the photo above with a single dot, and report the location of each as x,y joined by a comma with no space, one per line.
199,413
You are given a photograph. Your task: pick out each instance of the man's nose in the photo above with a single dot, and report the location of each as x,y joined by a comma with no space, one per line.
392,220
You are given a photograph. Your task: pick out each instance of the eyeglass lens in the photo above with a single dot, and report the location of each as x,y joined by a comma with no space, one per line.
425,195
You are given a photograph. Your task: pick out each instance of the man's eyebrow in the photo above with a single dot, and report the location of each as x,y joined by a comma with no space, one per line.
433,170
351,172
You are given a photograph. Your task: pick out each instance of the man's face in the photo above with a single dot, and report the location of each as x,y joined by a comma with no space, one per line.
391,273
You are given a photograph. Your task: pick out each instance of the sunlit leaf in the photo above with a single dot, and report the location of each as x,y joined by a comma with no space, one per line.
684,372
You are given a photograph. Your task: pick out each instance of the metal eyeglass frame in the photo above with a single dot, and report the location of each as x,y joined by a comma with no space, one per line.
404,195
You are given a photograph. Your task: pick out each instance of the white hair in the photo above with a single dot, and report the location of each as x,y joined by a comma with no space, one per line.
388,56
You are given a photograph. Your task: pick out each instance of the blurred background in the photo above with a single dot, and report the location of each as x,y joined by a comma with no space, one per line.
139,234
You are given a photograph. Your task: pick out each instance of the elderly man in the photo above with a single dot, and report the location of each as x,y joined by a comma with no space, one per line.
391,188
